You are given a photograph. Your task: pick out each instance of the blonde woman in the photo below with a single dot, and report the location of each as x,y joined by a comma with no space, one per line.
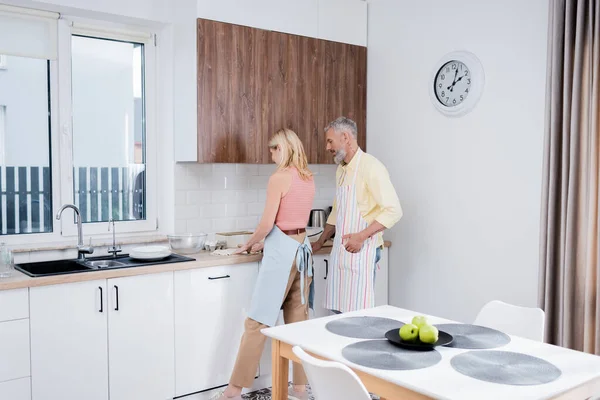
286,269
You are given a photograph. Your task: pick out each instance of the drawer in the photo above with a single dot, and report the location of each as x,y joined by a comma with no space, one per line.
18,389
14,304
14,350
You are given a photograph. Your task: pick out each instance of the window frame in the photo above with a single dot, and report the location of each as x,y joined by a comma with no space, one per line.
2,134
70,28
61,137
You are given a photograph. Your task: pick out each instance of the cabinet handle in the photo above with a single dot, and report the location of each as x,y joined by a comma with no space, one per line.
326,269
117,297
101,300
218,277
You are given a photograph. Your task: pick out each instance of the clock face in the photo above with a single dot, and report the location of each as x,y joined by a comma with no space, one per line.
452,83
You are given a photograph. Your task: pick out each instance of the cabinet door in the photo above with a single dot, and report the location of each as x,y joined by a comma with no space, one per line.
210,307
18,389
321,265
14,350
69,355
381,280
140,337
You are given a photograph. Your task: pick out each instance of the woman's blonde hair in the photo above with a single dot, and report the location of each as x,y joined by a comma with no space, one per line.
292,152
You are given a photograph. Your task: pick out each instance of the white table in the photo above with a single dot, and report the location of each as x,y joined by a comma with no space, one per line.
580,377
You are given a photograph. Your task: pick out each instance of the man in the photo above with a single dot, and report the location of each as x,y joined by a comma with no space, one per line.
365,205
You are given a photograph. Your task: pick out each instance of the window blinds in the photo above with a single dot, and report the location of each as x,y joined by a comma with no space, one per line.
28,33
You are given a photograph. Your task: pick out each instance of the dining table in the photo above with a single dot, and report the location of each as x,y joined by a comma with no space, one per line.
479,363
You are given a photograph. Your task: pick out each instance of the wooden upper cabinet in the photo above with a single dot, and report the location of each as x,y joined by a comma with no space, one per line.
252,82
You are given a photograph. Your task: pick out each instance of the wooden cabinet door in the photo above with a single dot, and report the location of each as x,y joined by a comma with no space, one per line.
342,90
252,82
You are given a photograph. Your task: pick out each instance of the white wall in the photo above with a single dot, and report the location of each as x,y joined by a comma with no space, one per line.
228,197
470,187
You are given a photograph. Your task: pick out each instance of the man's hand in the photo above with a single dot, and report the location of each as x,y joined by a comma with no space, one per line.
316,246
353,242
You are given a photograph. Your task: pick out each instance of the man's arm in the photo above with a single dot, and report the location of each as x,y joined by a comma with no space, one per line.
381,188
329,228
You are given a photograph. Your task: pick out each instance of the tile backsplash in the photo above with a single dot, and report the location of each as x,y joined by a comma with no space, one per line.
225,197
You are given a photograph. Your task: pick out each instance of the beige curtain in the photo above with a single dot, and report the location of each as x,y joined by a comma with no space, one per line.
569,266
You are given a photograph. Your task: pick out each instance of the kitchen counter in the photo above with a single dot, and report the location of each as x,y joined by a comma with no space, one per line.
203,260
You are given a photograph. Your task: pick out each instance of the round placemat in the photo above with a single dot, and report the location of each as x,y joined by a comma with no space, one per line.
468,336
363,327
381,354
505,367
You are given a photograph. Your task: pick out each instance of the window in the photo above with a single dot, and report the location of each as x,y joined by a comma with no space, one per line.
108,129
97,93
25,176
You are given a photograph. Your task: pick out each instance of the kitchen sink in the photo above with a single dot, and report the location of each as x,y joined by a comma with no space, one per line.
104,263
57,267
61,267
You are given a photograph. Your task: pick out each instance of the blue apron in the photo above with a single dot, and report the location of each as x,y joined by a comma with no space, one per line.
279,253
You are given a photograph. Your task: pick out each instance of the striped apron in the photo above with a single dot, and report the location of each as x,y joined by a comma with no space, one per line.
351,281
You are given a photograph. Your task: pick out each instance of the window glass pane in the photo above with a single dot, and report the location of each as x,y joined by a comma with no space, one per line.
25,175
108,129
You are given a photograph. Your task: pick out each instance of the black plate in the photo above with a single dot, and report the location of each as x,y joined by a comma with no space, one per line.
394,337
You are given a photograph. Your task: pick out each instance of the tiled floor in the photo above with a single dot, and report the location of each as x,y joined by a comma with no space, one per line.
265,394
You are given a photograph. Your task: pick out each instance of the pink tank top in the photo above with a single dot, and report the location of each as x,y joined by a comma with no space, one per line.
295,206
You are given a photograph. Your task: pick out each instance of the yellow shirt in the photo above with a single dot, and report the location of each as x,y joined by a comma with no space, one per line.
376,196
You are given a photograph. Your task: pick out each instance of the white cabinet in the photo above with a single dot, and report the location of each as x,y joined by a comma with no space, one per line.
69,349
15,367
14,350
15,304
321,270
18,389
381,280
141,338
210,308
76,328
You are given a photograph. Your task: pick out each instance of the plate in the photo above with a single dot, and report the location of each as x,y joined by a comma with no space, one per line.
150,253
394,337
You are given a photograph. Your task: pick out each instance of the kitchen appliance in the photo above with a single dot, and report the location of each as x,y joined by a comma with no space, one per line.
317,219
188,243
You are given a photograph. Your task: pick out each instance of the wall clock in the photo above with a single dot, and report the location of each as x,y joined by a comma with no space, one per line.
456,83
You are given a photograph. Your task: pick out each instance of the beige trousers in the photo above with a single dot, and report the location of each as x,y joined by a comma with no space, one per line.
253,341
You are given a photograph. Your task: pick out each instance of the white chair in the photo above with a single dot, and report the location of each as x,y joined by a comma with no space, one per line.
526,322
331,380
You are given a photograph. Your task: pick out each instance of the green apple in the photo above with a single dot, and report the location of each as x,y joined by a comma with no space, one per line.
428,334
419,321
409,332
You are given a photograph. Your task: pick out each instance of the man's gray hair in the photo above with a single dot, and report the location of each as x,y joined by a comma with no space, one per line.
343,124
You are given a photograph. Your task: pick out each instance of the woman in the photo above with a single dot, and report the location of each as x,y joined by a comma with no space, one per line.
286,269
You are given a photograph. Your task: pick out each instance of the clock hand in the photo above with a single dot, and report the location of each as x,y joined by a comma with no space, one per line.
451,87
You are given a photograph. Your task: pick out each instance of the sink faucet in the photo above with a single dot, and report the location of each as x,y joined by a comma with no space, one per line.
81,249
114,249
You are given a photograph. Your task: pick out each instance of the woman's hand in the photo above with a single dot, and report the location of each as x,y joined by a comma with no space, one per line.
257,247
242,249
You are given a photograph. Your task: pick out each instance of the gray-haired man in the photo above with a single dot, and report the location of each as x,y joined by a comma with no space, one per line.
365,205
